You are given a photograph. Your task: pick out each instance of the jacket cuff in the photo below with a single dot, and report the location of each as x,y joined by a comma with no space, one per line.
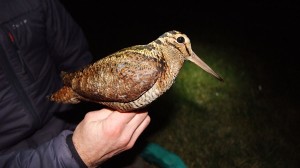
74,151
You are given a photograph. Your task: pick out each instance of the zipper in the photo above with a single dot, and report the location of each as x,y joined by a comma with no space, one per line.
15,83
21,60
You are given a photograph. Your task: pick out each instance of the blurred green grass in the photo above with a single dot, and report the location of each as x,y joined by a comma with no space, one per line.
235,123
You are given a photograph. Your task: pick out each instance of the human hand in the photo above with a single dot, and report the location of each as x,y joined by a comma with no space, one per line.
103,134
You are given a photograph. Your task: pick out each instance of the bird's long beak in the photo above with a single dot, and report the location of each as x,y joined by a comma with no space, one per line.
195,59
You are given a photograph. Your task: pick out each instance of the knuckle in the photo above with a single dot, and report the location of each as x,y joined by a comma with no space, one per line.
117,131
124,142
88,116
129,146
148,119
113,132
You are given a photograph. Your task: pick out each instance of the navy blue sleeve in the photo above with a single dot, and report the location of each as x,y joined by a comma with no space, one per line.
65,37
53,154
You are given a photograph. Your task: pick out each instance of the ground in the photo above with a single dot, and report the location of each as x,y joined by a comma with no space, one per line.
249,120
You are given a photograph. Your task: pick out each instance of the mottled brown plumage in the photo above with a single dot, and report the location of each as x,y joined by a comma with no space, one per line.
133,77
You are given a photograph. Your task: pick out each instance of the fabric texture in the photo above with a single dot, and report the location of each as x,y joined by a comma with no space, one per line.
38,40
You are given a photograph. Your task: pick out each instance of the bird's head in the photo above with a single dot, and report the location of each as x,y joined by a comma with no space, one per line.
182,43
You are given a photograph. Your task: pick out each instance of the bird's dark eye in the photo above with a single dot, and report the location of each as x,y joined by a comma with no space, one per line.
180,39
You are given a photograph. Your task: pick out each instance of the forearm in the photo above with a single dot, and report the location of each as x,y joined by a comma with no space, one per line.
55,154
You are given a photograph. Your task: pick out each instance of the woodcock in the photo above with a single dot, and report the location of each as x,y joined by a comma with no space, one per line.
133,77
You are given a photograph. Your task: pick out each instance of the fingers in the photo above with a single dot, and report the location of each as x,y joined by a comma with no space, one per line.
98,115
113,116
105,133
128,126
120,118
139,131
133,129
136,121
131,132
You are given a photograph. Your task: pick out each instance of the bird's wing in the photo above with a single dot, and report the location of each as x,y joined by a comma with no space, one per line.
122,77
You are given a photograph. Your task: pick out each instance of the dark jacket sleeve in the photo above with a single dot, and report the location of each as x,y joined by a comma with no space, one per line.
69,49
53,154
65,37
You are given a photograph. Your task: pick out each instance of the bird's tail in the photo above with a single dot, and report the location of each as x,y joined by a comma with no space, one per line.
65,95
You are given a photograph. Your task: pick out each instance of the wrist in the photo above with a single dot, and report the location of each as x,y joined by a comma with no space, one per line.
74,152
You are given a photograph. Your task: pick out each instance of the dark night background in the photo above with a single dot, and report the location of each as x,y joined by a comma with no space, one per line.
267,29
256,24
263,26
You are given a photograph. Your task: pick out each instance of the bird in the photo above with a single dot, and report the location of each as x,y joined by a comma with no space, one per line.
133,77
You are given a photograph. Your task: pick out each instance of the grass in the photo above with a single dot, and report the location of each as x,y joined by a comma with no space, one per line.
250,120
236,123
